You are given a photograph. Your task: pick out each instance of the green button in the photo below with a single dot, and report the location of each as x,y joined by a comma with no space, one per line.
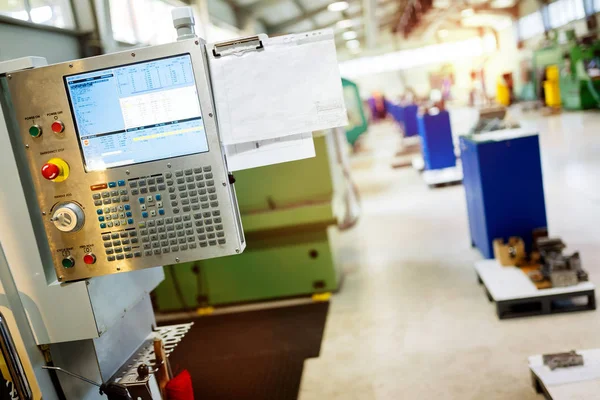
68,262
35,130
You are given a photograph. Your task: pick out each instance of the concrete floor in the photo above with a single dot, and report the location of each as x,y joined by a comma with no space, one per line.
410,321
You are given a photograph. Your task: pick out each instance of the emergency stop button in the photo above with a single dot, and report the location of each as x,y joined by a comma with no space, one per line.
50,171
57,127
55,170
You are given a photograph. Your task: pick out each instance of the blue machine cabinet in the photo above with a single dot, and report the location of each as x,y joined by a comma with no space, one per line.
436,141
411,126
397,112
504,188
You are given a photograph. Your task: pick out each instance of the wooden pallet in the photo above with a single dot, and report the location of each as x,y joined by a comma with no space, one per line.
516,296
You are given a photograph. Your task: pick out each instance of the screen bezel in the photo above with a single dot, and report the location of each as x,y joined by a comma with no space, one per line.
76,124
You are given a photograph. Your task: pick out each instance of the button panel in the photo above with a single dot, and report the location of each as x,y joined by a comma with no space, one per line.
109,197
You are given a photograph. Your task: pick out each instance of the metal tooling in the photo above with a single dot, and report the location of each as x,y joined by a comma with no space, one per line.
562,270
563,360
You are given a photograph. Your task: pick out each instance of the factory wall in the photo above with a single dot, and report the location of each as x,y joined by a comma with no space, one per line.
21,41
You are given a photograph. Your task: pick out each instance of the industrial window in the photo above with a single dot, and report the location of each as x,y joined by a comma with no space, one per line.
56,13
562,12
530,25
142,21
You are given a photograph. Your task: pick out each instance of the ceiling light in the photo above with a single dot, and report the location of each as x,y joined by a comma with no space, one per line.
353,44
345,24
467,12
443,33
349,35
338,6
358,50
502,3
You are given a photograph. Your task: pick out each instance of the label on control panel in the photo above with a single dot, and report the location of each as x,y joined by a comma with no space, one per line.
51,151
65,251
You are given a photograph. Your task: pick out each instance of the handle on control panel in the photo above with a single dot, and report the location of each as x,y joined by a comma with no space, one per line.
68,217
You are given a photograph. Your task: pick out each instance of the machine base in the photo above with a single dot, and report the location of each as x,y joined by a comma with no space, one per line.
270,268
443,177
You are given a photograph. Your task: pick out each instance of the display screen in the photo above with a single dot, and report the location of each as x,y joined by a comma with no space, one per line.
137,113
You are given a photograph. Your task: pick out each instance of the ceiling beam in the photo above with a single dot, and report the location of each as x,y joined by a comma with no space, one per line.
293,21
304,12
257,7
277,28
389,21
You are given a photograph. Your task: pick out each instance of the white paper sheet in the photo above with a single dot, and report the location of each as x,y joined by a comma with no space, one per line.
267,152
290,87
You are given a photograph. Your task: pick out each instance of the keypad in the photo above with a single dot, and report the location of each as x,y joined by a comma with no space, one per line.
108,216
178,210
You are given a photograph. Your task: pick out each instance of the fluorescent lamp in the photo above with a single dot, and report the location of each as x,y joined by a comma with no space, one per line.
353,44
345,24
338,6
467,12
349,35
502,3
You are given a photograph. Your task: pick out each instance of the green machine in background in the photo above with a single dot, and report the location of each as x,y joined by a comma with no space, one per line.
356,113
580,77
288,211
578,90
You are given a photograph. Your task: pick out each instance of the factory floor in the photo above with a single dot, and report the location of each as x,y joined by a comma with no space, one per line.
410,321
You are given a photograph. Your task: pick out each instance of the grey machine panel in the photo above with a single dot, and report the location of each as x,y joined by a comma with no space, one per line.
136,213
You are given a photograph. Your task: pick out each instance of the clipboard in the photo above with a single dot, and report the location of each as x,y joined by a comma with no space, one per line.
267,88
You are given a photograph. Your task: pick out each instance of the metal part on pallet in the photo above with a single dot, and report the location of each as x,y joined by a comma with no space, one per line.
561,269
563,360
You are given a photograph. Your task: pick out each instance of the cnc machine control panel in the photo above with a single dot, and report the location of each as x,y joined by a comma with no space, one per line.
126,161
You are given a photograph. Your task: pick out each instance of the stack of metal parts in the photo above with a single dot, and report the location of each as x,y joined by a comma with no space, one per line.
561,269
563,360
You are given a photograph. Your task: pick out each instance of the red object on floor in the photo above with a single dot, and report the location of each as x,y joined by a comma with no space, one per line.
180,387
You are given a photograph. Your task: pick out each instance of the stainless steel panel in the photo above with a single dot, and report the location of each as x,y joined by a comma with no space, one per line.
98,359
113,296
39,97
115,346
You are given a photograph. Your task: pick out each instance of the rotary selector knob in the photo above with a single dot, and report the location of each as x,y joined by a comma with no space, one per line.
68,217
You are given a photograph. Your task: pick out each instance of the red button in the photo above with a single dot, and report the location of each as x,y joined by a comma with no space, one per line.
89,259
50,171
58,127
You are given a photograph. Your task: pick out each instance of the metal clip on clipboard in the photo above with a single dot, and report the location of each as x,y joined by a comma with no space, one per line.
251,40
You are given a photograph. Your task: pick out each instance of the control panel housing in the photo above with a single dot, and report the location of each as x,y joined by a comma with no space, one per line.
125,158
